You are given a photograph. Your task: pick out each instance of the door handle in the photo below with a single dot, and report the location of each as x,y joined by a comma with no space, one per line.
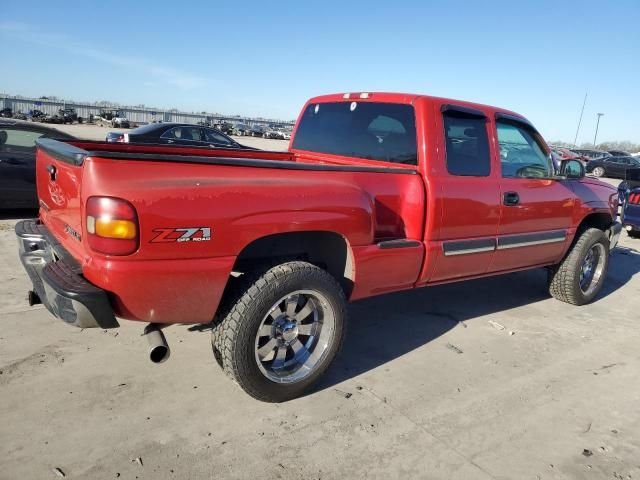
169,141
511,199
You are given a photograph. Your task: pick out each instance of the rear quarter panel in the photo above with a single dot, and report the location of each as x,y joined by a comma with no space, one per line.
182,282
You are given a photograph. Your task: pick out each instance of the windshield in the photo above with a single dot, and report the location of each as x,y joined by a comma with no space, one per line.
374,131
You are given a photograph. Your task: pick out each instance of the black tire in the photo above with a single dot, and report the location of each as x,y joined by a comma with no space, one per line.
633,233
234,333
564,278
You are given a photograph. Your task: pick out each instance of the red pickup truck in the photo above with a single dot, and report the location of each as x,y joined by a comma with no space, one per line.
378,192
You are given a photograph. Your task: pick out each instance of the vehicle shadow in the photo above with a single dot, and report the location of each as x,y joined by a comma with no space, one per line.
381,329
624,263
17,214
384,328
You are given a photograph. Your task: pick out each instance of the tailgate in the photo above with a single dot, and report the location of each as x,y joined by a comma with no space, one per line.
59,180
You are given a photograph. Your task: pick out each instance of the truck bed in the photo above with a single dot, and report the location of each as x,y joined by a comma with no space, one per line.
77,151
240,196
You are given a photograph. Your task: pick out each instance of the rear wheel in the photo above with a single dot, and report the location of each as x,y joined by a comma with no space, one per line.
598,171
283,331
580,276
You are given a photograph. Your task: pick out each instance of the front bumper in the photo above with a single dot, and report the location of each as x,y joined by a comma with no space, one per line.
614,234
631,216
57,279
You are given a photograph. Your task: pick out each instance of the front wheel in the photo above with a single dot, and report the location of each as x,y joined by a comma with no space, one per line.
580,276
598,171
283,331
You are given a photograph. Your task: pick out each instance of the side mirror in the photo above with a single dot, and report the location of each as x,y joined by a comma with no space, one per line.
572,169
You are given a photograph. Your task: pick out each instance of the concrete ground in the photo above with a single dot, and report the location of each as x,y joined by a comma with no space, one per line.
485,379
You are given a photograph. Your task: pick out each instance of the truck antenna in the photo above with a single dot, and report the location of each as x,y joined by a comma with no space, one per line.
575,140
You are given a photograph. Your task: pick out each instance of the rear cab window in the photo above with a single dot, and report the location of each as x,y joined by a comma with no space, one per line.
369,130
467,143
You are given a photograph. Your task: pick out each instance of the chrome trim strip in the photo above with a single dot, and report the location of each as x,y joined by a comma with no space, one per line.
503,242
530,239
464,247
470,250
528,244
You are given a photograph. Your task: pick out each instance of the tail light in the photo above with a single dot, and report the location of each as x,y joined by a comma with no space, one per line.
112,226
634,198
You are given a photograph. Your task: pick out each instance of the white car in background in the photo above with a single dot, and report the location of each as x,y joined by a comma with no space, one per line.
278,134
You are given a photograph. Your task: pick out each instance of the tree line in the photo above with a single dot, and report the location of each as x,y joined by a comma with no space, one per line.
625,146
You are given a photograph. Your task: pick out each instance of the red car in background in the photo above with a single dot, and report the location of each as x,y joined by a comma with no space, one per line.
566,154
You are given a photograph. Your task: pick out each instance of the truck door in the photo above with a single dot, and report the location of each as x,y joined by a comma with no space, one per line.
469,192
536,209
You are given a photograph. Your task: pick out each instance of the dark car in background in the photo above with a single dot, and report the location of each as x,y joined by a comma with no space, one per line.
9,113
241,130
619,153
176,134
612,166
629,192
37,115
257,131
224,127
590,154
69,115
40,116
18,161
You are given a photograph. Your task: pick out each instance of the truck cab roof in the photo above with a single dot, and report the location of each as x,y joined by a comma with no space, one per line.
406,98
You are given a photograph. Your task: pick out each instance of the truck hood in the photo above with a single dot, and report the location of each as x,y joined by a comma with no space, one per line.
597,182
597,196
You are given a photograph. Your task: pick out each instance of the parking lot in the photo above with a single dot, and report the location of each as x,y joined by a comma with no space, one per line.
484,379
94,132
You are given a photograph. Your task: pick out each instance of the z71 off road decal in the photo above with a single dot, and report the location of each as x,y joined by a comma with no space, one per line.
187,234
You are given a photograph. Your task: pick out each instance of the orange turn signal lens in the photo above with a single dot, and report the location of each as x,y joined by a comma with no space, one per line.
110,228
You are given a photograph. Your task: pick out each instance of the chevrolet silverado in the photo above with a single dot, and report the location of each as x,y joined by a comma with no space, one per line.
378,192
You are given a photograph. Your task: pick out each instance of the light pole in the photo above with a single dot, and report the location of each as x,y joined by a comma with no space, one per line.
597,125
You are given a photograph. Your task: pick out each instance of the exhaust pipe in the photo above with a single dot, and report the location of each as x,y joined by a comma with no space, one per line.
33,298
158,348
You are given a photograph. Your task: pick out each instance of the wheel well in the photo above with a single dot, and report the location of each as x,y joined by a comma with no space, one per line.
327,250
601,221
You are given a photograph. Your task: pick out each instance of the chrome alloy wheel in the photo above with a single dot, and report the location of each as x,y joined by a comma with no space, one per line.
592,268
294,336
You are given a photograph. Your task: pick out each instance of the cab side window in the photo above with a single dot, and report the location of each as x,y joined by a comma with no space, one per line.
521,154
467,145
18,141
214,137
183,133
